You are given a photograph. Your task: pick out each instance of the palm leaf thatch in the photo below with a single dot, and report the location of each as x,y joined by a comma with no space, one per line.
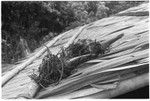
99,60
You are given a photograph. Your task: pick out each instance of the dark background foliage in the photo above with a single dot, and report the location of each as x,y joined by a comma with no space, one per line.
38,22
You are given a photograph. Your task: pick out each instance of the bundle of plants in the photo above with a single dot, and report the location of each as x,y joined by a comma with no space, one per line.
83,47
51,70
54,68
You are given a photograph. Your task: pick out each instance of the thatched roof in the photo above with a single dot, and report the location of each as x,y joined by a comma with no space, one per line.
132,23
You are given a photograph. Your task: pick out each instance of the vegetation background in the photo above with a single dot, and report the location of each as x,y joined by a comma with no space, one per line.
40,21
